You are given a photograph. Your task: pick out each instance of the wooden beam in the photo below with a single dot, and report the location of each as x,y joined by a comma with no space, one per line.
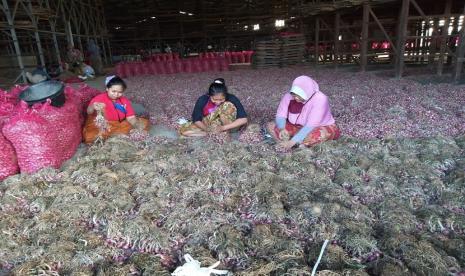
317,40
444,36
433,47
346,27
9,18
337,19
401,38
34,20
460,53
382,28
420,11
364,41
328,28
53,22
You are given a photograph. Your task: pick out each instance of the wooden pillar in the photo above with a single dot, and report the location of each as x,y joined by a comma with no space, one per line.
337,20
433,47
364,40
204,27
460,53
401,38
424,34
317,40
53,22
417,41
180,22
109,51
55,42
228,24
36,33
444,36
9,18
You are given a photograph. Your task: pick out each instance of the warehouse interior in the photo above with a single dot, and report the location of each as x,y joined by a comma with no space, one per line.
247,137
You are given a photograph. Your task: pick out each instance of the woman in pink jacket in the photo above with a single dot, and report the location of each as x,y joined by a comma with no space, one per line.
303,116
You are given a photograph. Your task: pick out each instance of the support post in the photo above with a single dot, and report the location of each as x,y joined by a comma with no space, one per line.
337,20
52,21
9,18
109,51
364,40
67,24
317,40
55,42
401,38
36,33
444,36
460,56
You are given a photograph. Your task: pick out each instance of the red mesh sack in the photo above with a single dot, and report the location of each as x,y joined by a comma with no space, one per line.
215,65
178,65
224,64
153,68
145,68
11,96
235,57
248,56
127,69
187,66
205,65
161,67
84,93
119,70
241,57
44,135
228,57
8,160
138,69
170,68
197,65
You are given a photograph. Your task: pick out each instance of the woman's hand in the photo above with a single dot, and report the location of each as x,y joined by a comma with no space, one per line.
136,123
284,135
217,129
99,106
95,107
287,144
140,126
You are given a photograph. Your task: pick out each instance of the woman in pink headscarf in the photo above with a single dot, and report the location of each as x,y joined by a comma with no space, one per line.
303,116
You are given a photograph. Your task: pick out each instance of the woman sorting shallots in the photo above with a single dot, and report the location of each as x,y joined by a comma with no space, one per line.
111,113
303,116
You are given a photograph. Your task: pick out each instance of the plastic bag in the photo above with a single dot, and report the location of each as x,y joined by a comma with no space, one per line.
192,268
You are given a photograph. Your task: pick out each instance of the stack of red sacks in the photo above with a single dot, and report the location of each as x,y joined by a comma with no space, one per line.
39,136
172,64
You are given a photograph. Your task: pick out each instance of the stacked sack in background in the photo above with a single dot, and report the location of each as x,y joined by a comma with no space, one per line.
42,135
172,64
